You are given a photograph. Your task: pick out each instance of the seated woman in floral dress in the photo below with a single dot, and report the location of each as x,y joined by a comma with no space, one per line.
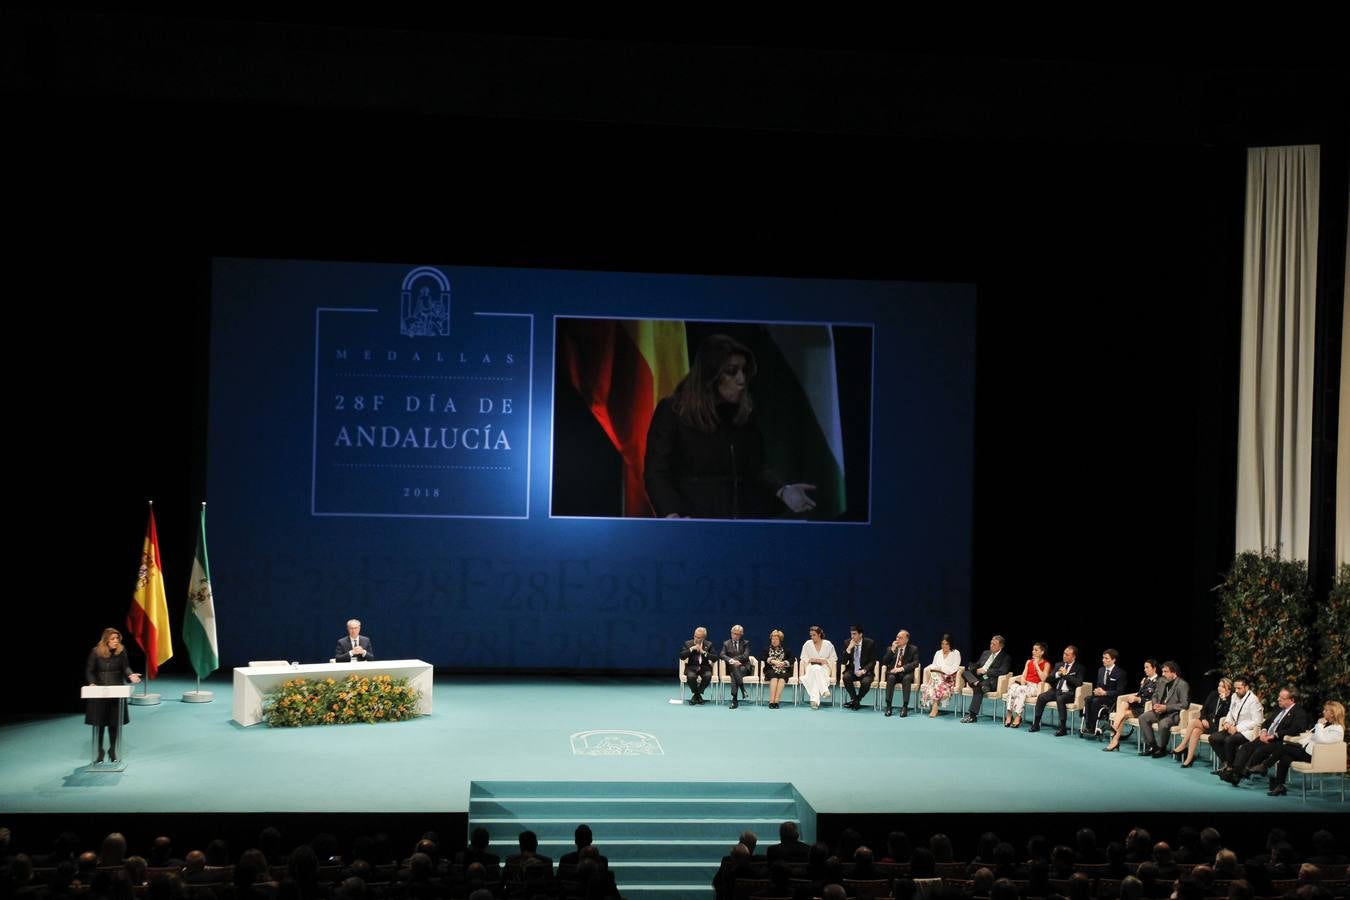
939,682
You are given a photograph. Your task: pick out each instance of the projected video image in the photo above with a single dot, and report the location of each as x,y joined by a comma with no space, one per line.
695,419
542,469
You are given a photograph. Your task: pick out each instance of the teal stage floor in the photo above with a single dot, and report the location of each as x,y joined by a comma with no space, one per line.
192,757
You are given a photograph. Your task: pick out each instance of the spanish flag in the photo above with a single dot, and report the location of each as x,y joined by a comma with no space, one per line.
622,369
148,619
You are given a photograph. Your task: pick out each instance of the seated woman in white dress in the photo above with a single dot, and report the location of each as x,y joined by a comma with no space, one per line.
939,682
818,660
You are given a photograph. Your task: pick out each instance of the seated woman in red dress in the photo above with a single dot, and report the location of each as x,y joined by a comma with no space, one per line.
1028,684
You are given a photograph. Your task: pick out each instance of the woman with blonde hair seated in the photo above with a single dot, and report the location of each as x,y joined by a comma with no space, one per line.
1212,711
1330,729
777,667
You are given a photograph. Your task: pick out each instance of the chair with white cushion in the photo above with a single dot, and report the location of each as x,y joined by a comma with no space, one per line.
1327,759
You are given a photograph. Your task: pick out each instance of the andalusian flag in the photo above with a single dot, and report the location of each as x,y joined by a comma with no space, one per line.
199,618
622,369
797,396
148,619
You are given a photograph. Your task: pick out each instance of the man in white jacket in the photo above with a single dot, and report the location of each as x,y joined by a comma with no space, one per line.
1239,726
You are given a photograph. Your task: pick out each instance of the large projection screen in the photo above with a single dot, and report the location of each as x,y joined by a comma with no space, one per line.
571,470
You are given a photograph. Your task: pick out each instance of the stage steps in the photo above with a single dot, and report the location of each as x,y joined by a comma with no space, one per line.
664,840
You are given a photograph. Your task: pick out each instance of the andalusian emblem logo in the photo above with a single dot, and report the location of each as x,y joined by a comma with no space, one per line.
200,593
424,310
616,743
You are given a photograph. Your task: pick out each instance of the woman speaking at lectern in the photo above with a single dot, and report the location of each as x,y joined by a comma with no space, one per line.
107,665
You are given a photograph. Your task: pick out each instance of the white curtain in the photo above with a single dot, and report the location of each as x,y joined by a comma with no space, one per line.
1279,282
1343,426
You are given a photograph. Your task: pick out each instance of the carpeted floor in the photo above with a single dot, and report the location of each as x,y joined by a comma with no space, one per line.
191,757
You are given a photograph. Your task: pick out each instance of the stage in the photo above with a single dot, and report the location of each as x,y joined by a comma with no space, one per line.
192,757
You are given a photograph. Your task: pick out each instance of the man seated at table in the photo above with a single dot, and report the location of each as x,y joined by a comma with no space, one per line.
355,646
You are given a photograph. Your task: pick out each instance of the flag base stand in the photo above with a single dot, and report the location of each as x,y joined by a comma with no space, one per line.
198,696
144,699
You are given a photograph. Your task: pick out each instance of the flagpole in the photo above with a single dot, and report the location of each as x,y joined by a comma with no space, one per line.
199,695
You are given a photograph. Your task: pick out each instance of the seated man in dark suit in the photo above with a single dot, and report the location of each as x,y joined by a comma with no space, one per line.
734,866
161,854
858,660
982,883
195,871
899,664
1289,719
355,646
730,861
982,678
477,852
1105,690
529,858
736,657
789,848
864,866
583,838
592,879
698,656
420,877
1064,681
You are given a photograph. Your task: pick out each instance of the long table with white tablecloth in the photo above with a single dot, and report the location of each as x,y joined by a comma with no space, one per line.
252,683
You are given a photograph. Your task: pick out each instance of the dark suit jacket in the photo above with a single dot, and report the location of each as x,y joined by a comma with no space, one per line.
1112,684
741,656
700,662
573,858
1071,681
517,861
1294,722
1001,666
343,653
867,656
469,856
724,881
788,852
909,659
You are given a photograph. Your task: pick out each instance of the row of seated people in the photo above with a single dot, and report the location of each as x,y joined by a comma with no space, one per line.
1230,719
367,869
780,885
1245,738
1139,867
818,668
305,874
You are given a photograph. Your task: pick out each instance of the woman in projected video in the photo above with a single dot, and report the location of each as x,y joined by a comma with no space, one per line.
705,453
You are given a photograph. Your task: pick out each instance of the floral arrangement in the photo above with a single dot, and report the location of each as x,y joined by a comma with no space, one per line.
1265,614
358,698
1333,634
